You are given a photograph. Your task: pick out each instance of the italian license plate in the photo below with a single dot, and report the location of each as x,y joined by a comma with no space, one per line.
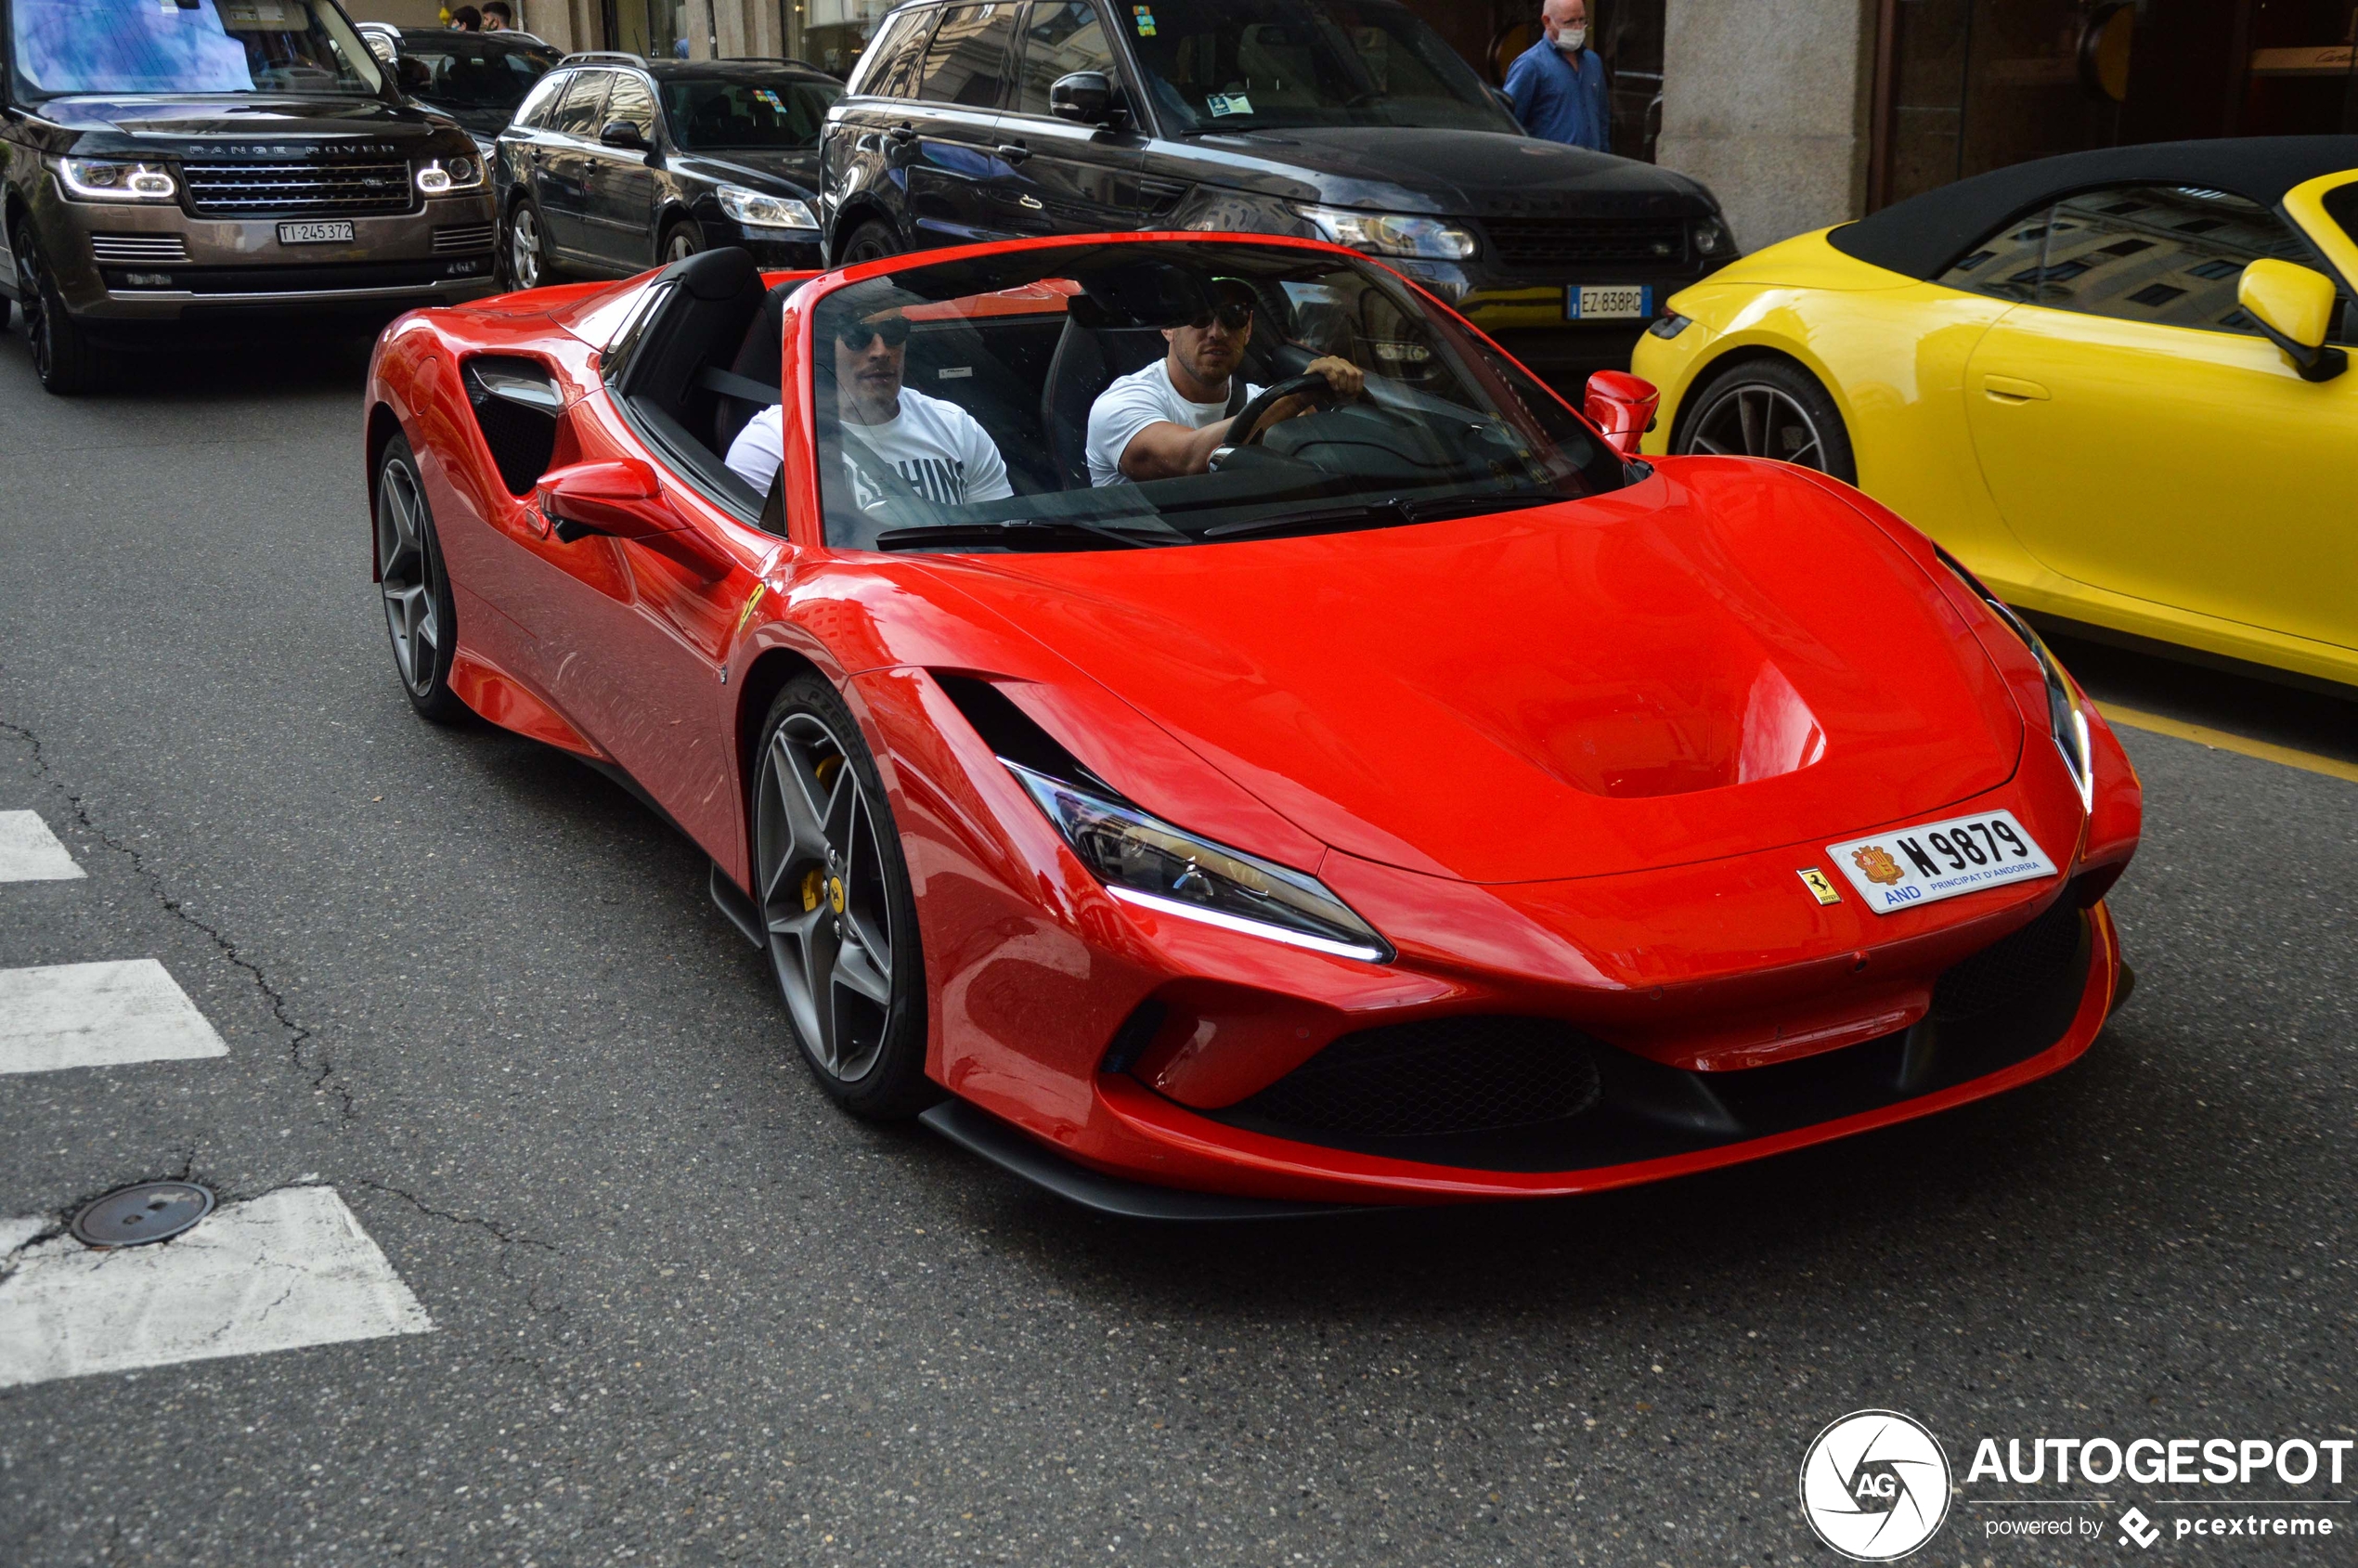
1921,865
315,233
1610,302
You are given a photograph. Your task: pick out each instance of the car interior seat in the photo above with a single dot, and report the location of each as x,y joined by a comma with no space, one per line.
749,382
1086,362
712,297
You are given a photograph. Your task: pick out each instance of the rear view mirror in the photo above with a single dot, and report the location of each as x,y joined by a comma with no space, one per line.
2294,306
1622,407
1085,97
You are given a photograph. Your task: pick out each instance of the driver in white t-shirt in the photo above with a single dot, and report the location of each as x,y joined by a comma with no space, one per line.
890,433
1168,418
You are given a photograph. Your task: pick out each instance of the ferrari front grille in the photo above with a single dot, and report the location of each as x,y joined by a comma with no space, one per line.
2013,971
1436,1077
150,249
290,190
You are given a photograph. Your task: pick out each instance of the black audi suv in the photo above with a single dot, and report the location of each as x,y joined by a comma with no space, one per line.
1342,120
614,163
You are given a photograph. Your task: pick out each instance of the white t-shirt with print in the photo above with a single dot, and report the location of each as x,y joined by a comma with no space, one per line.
1136,401
941,449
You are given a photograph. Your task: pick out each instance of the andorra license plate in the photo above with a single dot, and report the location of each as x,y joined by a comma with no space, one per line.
1610,302
315,233
1921,865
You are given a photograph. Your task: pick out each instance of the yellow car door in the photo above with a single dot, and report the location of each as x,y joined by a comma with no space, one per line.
2139,435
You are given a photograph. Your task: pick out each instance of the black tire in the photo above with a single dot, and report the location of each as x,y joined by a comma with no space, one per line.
539,269
872,240
683,237
420,620
64,355
834,892
1767,409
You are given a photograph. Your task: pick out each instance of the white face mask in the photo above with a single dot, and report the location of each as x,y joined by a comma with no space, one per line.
1572,40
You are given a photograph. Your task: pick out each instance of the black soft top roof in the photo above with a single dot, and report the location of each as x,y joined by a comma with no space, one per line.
1924,234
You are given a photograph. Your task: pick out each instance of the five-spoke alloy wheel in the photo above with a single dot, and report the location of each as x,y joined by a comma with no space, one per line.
1767,409
418,614
527,247
836,905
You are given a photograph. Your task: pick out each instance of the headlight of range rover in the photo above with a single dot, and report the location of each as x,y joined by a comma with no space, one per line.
443,175
1146,862
755,210
1392,234
2065,718
98,179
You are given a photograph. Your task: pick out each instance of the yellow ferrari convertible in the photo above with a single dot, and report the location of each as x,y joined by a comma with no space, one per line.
2109,382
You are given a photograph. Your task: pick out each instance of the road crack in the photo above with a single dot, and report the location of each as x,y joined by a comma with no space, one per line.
314,1065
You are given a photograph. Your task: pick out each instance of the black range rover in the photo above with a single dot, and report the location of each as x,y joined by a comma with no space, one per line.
1344,120
170,159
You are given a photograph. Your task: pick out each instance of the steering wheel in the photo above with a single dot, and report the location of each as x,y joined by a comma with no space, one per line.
1246,431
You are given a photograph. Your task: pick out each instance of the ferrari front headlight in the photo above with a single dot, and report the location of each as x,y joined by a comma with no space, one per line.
2065,718
1146,862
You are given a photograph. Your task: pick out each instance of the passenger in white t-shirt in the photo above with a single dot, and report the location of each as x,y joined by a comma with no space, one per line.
933,447
1168,418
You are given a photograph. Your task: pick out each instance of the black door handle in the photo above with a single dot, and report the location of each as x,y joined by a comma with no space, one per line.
1013,151
904,134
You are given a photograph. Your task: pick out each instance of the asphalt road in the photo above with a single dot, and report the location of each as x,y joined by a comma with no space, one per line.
683,1312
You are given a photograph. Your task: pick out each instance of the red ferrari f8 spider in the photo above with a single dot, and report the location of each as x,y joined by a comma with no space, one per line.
1192,719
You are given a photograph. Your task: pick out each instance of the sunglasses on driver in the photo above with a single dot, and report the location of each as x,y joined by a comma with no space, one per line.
856,335
1235,315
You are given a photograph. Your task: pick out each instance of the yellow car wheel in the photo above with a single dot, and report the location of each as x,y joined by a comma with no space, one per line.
1767,407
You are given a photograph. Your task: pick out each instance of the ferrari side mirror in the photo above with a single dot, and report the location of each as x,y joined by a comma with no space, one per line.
623,499
1622,407
2294,306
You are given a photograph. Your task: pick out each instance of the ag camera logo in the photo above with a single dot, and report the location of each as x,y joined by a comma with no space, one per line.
1874,1485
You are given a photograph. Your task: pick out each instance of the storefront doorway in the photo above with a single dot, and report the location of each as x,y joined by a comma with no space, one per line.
1963,86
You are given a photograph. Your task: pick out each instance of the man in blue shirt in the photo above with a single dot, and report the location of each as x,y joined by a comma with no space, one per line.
1558,84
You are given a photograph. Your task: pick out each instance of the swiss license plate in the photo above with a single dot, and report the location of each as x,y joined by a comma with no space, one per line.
315,233
1610,302
1936,860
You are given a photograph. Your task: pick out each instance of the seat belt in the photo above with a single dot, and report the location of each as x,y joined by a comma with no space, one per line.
744,388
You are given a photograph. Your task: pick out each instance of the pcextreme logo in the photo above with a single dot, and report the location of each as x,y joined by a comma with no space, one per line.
1874,1485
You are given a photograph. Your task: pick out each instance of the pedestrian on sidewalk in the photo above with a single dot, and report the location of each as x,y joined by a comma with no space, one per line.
1558,84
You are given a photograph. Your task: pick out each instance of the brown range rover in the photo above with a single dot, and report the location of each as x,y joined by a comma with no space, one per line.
190,160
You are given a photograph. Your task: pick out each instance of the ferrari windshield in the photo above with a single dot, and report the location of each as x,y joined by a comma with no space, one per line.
1241,65
1115,395
190,47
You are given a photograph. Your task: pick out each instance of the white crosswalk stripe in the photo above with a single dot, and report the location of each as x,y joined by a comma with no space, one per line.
98,1015
30,852
283,1271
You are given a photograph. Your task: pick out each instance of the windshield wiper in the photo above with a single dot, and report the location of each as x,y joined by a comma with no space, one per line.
1391,511
1016,530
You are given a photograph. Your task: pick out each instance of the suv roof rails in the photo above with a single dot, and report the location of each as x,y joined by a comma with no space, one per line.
765,59
604,56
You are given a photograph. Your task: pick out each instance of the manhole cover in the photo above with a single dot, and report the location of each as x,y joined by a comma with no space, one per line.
150,1212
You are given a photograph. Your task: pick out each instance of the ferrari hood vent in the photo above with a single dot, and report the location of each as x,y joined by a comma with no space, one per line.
1671,673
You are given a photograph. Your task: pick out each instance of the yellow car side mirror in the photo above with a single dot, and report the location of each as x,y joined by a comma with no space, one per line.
2294,306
